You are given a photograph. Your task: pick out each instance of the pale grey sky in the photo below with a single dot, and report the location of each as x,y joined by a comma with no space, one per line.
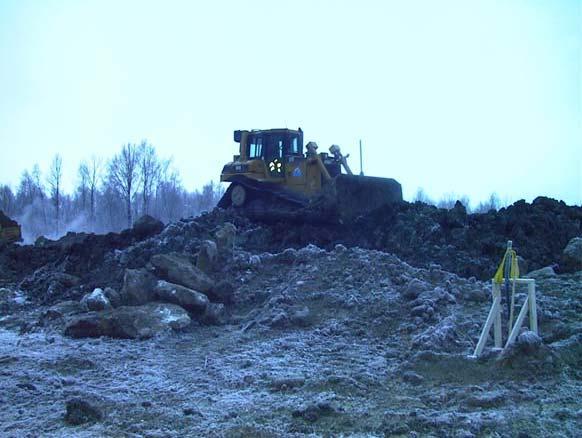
469,97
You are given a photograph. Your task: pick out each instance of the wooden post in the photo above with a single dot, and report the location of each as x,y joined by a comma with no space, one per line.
518,323
497,322
533,311
493,313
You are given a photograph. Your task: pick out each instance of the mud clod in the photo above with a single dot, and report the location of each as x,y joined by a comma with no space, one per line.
80,411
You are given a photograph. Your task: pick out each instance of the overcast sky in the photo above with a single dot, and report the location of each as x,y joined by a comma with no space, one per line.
467,97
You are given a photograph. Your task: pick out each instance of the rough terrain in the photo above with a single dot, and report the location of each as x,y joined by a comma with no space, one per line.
291,331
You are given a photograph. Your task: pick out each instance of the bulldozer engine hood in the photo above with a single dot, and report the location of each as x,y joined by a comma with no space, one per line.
253,168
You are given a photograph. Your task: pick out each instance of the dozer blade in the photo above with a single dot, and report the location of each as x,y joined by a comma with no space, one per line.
349,196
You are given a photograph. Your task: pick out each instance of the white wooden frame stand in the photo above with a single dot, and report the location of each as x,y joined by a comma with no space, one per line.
494,317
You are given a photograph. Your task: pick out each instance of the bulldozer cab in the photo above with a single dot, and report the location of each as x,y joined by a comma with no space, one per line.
272,146
277,156
267,152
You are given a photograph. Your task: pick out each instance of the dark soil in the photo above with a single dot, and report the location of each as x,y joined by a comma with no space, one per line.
316,343
466,244
420,234
358,329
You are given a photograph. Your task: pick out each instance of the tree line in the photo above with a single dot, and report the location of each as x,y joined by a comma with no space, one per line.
108,195
448,201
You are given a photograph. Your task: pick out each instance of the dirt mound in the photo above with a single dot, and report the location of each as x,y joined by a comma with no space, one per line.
296,338
467,244
420,234
473,244
346,342
75,256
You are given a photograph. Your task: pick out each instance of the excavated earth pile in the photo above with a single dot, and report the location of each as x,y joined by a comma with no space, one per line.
467,244
205,328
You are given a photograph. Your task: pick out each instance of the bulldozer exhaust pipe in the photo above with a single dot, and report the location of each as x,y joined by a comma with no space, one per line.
361,165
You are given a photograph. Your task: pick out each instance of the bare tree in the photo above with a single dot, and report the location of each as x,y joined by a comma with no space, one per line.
26,190
94,168
29,187
466,202
124,175
36,176
39,195
493,203
421,196
169,196
54,180
83,188
209,196
150,169
110,205
30,204
447,201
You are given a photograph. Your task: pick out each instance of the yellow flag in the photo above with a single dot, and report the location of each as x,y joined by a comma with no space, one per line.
514,269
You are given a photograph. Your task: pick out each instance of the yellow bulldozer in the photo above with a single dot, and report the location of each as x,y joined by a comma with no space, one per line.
272,177
9,229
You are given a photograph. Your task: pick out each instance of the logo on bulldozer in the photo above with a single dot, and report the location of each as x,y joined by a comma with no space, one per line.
275,166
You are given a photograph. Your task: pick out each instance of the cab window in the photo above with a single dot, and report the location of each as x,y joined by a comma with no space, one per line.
275,146
255,147
294,146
